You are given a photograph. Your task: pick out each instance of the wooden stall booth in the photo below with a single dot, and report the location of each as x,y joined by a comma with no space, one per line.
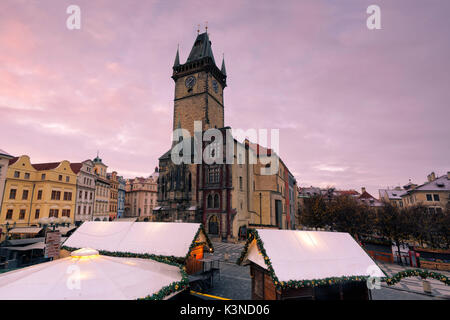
311,265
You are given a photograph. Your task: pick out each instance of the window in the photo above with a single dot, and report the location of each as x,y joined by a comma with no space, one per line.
216,201
429,198
90,195
240,183
56,195
431,210
39,195
60,177
27,175
210,201
438,210
9,214
67,178
12,194
53,213
16,174
86,195
36,213
22,214
213,175
436,197
25,195
43,176
84,210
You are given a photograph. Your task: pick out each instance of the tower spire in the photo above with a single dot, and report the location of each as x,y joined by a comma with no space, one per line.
223,69
177,57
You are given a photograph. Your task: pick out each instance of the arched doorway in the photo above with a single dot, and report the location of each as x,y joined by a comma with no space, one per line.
213,225
97,219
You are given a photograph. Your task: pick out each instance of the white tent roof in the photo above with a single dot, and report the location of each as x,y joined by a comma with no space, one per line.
23,230
99,277
159,238
308,255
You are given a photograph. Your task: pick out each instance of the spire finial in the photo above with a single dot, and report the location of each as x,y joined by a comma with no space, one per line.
97,153
206,27
198,29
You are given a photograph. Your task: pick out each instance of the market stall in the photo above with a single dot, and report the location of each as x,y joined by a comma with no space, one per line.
293,264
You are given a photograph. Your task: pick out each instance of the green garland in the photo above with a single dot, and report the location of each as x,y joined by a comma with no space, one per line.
416,273
253,235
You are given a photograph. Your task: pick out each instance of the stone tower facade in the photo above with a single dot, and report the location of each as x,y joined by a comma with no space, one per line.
199,86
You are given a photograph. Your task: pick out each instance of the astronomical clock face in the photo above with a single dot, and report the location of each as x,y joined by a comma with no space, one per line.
215,86
190,82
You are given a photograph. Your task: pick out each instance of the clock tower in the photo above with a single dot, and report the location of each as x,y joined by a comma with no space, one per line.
199,86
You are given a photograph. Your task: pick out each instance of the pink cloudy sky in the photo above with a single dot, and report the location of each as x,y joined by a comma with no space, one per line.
354,107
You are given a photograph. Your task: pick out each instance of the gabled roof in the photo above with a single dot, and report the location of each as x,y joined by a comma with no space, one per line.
294,255
13,160
439,184
76,167
45,166
167,239
392,193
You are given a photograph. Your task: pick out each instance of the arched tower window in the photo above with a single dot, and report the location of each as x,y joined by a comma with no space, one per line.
216,201
210,201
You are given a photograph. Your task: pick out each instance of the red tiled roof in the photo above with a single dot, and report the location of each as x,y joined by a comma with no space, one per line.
13,160
366,195
76,167
348,192
45,166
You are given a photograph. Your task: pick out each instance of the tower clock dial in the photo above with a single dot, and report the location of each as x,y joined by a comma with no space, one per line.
215,86
190,82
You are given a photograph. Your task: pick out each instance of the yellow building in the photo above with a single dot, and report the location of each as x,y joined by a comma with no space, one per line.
434,194
35,191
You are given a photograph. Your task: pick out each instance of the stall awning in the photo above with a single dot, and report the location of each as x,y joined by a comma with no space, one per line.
193,208
156,208
93,277
34,246
308,255
158,238
25,230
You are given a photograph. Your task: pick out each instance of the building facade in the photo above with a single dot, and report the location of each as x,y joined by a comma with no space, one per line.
102,191
85,195
113,195
433,194
36,191
141,197
392,196
4,162
121,191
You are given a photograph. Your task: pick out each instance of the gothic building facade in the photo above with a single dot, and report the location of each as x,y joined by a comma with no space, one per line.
221,194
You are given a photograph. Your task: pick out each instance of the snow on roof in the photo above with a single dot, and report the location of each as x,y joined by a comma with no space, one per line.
393,194
439,184
100,277
158,238
307,255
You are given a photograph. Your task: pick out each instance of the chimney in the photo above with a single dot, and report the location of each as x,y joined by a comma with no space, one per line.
363,189
431,177
448,175
156,169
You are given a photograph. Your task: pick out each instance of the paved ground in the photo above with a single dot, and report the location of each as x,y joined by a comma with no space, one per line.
235,282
